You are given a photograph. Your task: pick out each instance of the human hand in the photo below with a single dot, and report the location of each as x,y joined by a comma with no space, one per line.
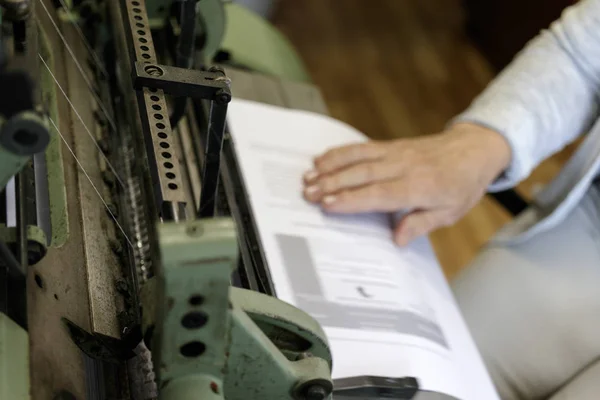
437,178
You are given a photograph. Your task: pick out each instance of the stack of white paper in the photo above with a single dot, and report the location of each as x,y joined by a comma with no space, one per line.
387,311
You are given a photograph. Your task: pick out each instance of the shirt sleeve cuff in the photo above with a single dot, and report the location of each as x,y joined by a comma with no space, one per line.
517,126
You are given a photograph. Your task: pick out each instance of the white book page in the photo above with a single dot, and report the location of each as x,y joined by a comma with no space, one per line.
387,311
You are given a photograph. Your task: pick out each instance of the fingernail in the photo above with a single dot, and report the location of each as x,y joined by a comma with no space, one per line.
311,175
311,190
329,200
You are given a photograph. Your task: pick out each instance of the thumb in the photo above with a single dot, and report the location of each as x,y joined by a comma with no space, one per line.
418,223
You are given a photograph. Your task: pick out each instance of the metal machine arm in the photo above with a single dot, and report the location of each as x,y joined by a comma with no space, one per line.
213,341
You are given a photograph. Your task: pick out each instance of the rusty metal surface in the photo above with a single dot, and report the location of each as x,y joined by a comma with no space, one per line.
56,285
164,161
185,134
99,230
167,160
77,280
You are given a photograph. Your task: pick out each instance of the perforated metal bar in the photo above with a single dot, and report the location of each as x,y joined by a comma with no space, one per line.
168,186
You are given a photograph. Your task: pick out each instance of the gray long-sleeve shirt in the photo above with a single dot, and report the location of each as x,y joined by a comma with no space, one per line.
548,96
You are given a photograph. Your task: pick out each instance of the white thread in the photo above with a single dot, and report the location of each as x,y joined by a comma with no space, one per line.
85,41
83,123
92,183
85,77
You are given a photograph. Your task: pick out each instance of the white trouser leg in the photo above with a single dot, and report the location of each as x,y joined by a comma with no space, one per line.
534,308
585,385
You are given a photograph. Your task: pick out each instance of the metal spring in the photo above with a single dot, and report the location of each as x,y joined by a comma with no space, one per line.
137,221
140,367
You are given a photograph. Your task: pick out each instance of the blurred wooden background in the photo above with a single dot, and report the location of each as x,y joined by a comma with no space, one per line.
400,69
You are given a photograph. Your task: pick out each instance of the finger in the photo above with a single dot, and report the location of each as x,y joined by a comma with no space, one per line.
381,196
344,156
418,223
351,177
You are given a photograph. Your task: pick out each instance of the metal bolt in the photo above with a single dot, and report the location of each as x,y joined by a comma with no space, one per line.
153,70
216,69
222,97
316,392
35,252
194,230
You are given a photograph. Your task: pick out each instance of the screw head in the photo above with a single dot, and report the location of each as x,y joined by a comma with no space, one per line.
153,70
194,230
316,392
216,69
222,97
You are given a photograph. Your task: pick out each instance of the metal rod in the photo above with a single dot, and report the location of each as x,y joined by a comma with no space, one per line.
12,265
185,45
22,206
16,10
13,298
212,159
173,211
185,51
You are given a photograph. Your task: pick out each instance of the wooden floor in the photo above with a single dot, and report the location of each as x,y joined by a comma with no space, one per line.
398,69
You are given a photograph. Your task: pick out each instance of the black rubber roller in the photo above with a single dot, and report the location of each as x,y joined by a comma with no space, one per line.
24,134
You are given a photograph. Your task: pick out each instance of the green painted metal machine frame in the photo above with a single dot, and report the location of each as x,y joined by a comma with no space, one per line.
255,44
241,38
14,360
16,148
214,341
16,152
211,340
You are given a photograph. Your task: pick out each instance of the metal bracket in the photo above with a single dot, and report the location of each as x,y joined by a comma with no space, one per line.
14,362
36,241
151,82
208,85
271,338
100,347
212,85
190,307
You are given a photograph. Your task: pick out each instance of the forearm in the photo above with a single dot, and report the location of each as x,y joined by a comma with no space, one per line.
547,97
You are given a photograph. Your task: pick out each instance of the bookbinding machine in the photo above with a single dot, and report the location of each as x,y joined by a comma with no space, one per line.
130,265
